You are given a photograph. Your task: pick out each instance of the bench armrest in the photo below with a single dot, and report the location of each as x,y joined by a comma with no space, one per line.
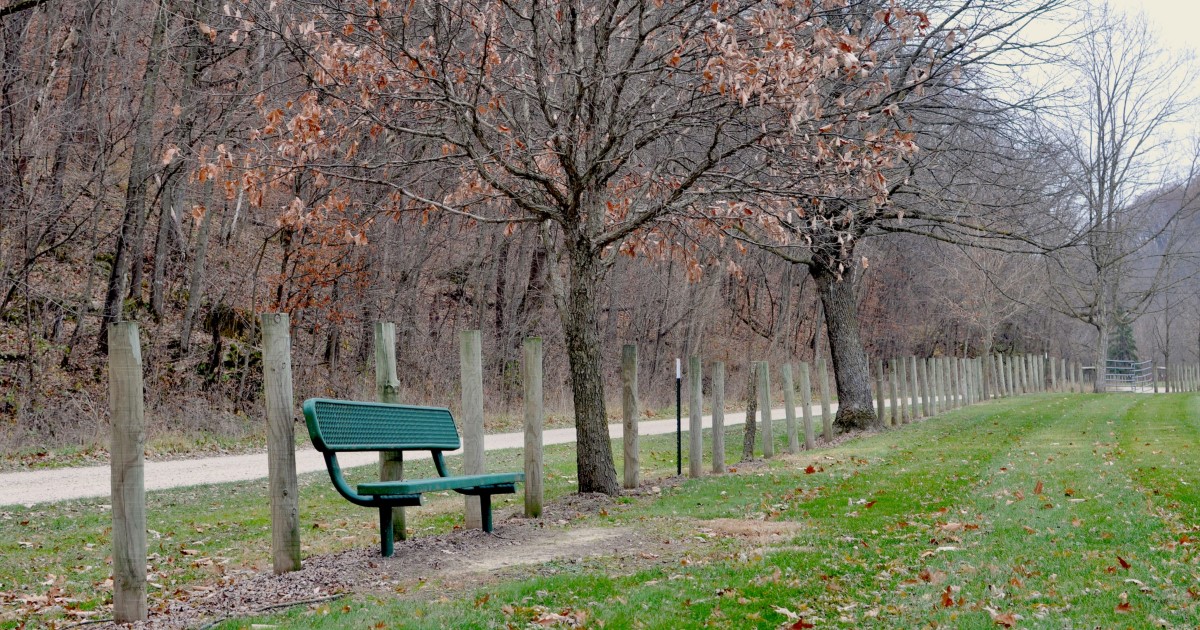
343,488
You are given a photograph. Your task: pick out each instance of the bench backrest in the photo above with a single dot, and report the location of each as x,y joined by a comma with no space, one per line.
347,425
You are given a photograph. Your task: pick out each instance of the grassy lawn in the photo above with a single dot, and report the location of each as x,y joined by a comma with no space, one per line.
1045,511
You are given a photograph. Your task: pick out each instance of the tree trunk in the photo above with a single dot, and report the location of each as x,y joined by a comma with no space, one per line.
128,249
1101,358
751,425
851,371
593,455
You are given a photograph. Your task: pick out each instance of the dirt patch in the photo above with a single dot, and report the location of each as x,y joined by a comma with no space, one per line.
754,532
456,562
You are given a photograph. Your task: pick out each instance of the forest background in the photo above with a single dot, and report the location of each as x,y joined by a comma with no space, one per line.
148,171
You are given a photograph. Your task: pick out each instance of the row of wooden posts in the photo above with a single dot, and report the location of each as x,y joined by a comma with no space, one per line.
916,387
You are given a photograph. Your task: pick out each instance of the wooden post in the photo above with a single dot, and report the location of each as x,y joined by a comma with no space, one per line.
470,356
935,385
1026,377
718,418
695,417
972,386
987,387
880,396
281,442
387,389
905,416
894,419
826,399
764,408
127,405
921,387
789,408
1001,377
1009,376
810,441
951,382
915,389
1053,374
980,379
531,374
1079,377
630,411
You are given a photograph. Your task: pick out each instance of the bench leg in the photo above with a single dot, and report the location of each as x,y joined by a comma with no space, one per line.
485,511
385,532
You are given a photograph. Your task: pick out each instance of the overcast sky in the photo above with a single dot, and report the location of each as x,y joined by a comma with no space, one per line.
1177,21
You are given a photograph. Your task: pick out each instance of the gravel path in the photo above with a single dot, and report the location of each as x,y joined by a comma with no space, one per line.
61,484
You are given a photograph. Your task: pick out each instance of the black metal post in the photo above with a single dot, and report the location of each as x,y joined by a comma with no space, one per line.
678,418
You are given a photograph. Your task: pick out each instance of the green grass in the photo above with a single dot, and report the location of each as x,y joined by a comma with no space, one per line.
1045,511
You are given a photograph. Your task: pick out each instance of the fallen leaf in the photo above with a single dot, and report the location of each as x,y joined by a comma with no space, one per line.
1007,620
810,470
1123,607
1124,564
947,599
933,577
1038,488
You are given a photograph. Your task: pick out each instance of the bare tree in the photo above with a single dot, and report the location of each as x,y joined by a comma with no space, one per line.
1114,148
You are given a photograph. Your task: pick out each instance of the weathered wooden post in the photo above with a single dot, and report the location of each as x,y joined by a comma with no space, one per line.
927,387
1010,375
387,390
470,356
1023,363
952,380
935,384
1079,377
880,405
764,408
977,370
629,412
810,441
905,408
281,442
880,395
987,387
1053,374
531,373
718,418
126,402
826,399
894,419
915,380
789,408
1001,376
695,417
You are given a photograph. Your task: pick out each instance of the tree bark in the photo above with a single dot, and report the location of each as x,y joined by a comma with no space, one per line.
593,455
751,424
850,368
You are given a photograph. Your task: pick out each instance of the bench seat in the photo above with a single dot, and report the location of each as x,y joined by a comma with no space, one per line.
347,425
435,484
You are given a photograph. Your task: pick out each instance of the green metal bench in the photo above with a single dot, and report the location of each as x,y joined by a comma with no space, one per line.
345,425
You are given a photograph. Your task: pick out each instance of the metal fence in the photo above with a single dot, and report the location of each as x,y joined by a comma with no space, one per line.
1129,376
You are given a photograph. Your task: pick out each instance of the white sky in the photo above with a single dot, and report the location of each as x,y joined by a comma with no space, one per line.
1177,21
